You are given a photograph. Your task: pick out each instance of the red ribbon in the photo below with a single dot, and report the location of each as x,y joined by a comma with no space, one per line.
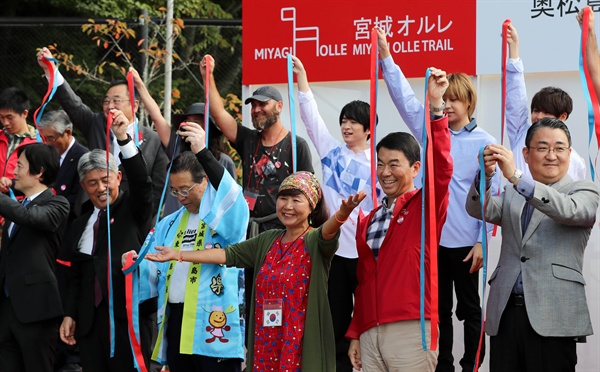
503,68
207,98
432,230
131,89
373,113
505,25
50,66
594,110
109,122
135,342
64,263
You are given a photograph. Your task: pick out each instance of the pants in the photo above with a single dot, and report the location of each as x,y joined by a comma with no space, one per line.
341,286
94,347
192,363
453,275
518,348
397,347
26,347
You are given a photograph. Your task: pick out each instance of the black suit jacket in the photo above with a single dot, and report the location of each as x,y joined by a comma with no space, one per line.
27,256
67,180
93,126
131,216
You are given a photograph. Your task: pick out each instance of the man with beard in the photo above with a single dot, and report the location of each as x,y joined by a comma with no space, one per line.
266,153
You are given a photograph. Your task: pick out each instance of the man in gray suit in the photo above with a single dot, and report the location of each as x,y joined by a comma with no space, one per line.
537,308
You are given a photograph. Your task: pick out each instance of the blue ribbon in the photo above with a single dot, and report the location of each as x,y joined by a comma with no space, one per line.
136,132
54,88
484,239
111,312
423,199
290,73
150,237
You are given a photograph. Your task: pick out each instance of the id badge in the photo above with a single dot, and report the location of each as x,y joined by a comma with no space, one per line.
272,312
250,197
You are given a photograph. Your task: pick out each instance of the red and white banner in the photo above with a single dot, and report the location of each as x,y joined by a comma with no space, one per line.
332,37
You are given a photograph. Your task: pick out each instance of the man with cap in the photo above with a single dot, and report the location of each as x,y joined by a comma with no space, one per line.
195,114
266,151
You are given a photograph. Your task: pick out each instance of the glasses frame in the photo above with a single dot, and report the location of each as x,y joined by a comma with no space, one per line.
540,150
182,193
115,101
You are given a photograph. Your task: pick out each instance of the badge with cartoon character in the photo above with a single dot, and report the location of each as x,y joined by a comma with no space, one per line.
217,318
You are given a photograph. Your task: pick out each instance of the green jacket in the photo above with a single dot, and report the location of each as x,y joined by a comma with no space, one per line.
318,349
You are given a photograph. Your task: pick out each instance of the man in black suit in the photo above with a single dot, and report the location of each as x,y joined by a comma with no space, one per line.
30,305
87,311
57,130
93,125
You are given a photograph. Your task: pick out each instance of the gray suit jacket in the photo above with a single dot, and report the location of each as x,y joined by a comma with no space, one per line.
549,254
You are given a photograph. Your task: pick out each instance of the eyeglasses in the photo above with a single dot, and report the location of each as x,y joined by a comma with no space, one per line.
182,193
546,150
52,138
116,101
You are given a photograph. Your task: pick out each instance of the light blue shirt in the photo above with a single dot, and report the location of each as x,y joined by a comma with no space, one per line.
460,229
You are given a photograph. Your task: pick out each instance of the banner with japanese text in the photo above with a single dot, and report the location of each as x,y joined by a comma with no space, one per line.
549,35
332,38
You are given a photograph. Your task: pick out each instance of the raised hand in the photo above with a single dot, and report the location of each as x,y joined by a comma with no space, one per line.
44,52
382,44
207,59
512,37
436,86
120,124
137,79
193,134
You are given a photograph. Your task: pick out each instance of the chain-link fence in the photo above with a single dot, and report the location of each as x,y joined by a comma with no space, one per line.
20,39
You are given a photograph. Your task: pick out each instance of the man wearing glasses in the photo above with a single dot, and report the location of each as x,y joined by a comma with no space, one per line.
93,125
198,306
537,309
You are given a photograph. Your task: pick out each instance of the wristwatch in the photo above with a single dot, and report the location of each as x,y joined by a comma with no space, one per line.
437,109
515,177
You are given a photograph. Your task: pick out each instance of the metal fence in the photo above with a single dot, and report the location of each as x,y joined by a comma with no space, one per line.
21,38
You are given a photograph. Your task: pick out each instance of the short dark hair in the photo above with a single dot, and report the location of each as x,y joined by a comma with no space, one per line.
14,99
114,83
546,122
404,142
360,112
187,162
319,215
552,100
42,158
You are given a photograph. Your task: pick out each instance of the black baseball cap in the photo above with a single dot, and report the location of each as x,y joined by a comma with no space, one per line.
263,94
197,108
